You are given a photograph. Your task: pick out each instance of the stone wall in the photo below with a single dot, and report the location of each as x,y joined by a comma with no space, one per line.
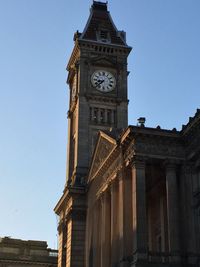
21,253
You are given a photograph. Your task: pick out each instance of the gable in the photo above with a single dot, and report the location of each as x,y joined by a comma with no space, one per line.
104,146
100,26
103,61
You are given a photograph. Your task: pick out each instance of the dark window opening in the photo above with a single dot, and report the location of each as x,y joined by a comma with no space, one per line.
108,116
102,116
95,115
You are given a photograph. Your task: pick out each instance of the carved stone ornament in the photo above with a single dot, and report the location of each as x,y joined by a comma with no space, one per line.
113,169
103,61
104,147
155,147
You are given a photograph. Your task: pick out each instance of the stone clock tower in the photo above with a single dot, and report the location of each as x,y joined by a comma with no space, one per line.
97,78
98,88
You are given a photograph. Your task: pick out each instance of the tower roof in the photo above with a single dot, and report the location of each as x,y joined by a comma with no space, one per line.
99,5
100,26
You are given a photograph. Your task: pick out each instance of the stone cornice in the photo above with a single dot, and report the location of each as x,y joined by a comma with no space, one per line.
75,54
76,213
151,143
110,45
154,131
67,194
105,99
110,171
193,121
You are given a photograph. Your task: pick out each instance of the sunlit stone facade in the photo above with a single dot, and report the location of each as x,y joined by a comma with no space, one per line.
132,194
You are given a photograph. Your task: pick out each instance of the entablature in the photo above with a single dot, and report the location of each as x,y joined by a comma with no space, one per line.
74,57
104,48
152,143
104,99
66,201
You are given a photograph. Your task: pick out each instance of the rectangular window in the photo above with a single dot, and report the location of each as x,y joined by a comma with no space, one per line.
114,116
90,114
102,115
109,113
103,36
95,118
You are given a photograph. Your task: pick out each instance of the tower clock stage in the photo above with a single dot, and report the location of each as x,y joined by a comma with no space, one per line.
131,196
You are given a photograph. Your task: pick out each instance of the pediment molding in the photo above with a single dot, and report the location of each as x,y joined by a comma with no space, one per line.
103,61
104,147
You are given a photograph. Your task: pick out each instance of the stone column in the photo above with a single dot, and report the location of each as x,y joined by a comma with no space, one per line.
62,243
189,211
61,251
114,224
139,210
162,224
121,215
172,211
196,190
96,235
105,229
127,216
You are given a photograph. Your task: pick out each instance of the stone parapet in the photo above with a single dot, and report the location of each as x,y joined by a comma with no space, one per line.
26,253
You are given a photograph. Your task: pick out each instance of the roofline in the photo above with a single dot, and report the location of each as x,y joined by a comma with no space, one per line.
72,55
156,131
124,41
111,20
192,121
106,44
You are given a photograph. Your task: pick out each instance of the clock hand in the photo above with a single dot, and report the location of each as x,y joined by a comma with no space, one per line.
99,83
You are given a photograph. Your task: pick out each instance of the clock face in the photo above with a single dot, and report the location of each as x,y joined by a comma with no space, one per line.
103,81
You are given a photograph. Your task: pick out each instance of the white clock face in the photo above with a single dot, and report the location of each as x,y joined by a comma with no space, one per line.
103,81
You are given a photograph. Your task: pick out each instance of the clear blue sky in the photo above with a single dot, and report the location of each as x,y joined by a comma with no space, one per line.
36,39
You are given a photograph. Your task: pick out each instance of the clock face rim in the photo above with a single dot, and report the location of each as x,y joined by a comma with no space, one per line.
106,87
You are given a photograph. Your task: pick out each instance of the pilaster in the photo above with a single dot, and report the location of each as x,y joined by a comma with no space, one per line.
172,211
139,210
125,217
97,234
105,229
114,224
187,173
61,239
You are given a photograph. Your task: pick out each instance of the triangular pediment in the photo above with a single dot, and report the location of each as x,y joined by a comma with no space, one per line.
104,147
103,61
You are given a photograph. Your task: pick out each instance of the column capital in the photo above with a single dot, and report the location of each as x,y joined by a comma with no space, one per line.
61,225
120,175
104,195
138,162
113,183
171,164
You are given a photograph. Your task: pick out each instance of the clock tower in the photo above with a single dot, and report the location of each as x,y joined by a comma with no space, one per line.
98,88
97,79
